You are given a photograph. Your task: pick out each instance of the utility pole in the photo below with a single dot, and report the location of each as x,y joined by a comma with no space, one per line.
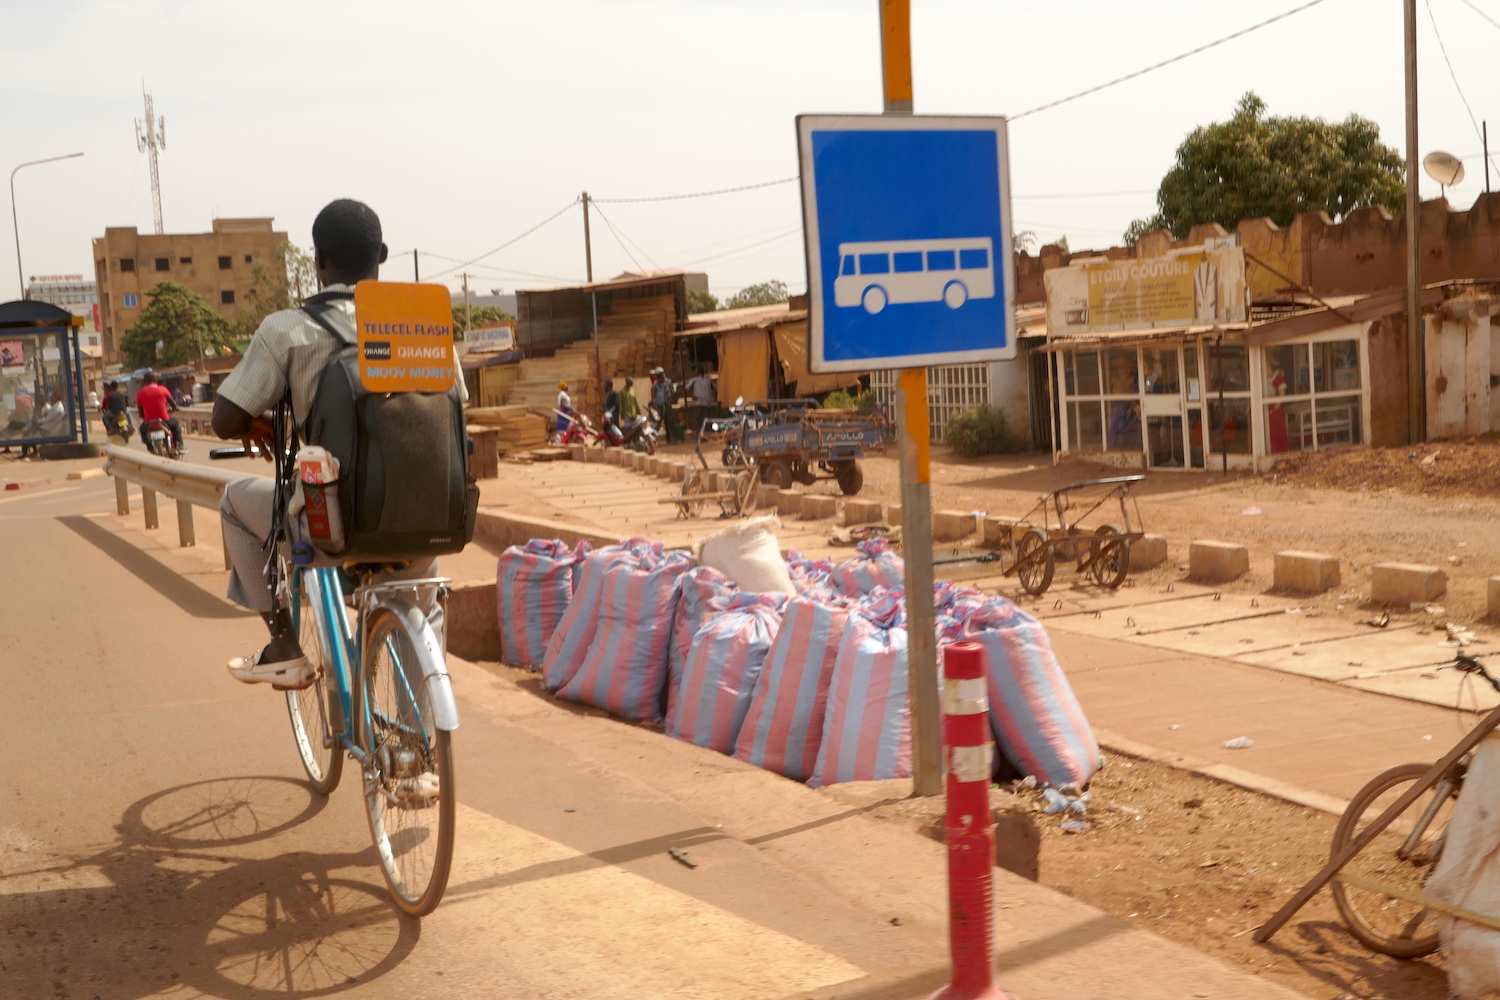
16,220
416,271
151,138
916,474
588,261
1485,136
468,312
1416,410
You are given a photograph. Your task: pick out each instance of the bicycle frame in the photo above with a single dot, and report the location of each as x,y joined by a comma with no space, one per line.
343,653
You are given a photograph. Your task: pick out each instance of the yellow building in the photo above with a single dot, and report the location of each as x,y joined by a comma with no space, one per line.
217,265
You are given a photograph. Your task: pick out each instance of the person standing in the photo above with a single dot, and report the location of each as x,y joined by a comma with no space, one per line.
564,409
700,390
661,398
630,407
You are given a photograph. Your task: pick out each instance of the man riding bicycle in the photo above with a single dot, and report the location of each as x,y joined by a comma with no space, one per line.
290,351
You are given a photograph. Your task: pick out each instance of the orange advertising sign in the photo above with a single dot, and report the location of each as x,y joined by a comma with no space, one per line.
405,336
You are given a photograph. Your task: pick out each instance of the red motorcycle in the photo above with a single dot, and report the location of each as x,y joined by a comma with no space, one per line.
579,431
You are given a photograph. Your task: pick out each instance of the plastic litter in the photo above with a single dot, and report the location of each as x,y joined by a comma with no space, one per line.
1059,800
1073,826
1239,743
1251,511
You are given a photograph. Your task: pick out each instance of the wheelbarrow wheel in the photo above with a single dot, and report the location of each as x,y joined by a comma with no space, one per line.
851,479
1109,570
693,483
1036,562
744,491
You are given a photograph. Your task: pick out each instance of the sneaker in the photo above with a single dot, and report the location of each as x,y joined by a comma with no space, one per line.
420,792
283,675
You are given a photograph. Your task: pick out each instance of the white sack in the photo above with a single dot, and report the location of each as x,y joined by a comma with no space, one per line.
749,554
1468,875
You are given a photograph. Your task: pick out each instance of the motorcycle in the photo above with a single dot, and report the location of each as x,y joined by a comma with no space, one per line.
580,430
637,434
118,425
159,439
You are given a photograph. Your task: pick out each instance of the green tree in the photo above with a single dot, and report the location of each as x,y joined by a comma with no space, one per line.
767,293
1256,164
282,283
480,316
702,302
177,318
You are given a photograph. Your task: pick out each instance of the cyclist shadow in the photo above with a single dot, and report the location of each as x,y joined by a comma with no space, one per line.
175,904
1326,950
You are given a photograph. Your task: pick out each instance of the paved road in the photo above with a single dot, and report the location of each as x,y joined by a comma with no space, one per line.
156,836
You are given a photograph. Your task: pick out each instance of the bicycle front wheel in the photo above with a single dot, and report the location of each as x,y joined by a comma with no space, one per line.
1376,890
310,709
409,795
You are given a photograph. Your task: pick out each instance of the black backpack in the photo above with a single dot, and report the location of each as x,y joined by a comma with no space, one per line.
404,490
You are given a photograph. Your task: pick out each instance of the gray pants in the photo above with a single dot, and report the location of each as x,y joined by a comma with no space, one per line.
246,512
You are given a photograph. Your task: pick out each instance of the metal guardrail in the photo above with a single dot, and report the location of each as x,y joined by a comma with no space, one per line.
187,484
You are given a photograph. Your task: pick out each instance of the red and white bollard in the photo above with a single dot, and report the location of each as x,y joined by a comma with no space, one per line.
969,752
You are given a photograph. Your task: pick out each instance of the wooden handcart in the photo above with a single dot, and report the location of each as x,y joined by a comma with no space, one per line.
1055,528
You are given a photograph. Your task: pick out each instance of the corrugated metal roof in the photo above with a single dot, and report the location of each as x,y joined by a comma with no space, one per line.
724,320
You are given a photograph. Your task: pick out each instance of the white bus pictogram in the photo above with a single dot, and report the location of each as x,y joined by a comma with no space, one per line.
892,272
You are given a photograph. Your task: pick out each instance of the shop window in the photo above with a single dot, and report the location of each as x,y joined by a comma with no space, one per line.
1286,372
1289,426
1086,425
1121,372
1160,366
1190,374
1081,369
1229,425
1229,364
1338,420
1124,425
1335,366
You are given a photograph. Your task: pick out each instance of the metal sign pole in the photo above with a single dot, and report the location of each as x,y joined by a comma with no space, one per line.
916,476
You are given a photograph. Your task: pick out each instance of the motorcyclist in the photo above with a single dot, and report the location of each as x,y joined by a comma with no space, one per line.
116,413
154,401
565,415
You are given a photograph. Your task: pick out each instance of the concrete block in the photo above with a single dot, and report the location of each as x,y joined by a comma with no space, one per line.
1306,572
788,503
765,495
1492,604
473,629
664,468
1406,583
1148,552
817,506
612,456
995,532
893,513
862,512
678,471
1217,562
578,452
951,525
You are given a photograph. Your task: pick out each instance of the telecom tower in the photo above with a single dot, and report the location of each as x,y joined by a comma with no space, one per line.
149,140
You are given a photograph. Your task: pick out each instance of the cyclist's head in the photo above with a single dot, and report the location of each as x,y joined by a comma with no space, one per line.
347,245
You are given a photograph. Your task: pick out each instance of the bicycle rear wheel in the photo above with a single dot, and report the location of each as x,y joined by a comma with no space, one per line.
1399,860
409,794
317,738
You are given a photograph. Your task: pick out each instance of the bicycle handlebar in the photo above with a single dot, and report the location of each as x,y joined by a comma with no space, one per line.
216,454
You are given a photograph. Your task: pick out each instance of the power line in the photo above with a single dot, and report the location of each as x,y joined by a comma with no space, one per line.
734,250
1452,73
1477,11
706,194
621,238
1167,62
1081,194
509,242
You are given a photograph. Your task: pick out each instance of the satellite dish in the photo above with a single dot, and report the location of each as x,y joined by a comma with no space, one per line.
1445,168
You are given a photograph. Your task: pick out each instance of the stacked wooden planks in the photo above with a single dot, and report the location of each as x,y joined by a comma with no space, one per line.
520,427
634,337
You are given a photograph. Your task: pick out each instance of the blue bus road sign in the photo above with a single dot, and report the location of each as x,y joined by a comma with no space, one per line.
908,227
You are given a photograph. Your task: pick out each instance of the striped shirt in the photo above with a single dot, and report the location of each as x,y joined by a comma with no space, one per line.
290,346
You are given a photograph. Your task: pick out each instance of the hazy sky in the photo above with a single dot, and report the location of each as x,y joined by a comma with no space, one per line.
465,123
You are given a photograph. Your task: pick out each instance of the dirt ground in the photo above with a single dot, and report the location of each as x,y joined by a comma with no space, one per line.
1196,861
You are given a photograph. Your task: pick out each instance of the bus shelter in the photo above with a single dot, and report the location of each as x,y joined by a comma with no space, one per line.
41,376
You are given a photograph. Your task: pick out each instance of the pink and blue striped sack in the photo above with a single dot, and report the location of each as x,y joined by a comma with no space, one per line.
875,566
699,591
952,607
625,667
729,651
867,729
570,643
1035,716
784,728
810,576
534,585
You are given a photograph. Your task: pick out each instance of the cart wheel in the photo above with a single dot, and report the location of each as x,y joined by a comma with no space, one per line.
1110,569
744,492
693,483
777,473
1035,576
851,479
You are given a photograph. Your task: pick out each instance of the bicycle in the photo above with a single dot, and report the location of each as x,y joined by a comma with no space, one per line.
1379,891
386,673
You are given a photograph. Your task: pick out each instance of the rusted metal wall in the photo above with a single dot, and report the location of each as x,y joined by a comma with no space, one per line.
1388,424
